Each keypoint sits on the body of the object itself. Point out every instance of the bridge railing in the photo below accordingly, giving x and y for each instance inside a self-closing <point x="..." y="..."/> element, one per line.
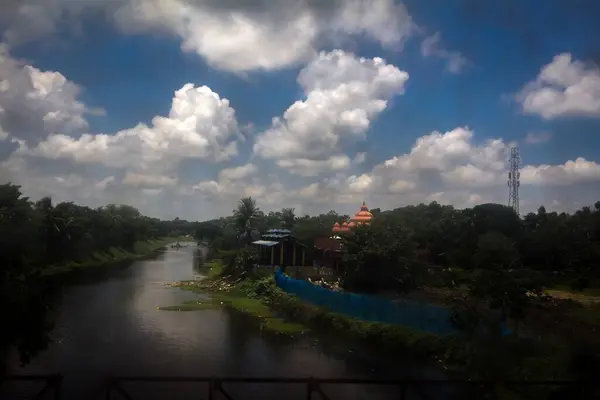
<point x="51" y="388"/>
<point x="480" y="389"/>
<point x="216" y="386"/>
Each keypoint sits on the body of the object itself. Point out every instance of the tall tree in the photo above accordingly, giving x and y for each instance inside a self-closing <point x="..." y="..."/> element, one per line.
<point x="245" y="219"/>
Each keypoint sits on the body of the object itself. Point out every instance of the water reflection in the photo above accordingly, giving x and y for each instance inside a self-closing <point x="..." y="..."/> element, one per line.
<point x="112" y="327"/>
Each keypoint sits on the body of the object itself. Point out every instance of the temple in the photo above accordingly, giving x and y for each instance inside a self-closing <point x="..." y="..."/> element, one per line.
<point x="329" y="250"/>
<point x="361" y="217"/>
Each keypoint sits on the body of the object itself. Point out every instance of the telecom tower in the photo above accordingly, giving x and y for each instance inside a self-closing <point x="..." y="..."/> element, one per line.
<point x="514" y="177"/>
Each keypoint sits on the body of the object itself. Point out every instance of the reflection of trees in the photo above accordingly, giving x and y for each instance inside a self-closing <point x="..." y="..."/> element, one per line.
<point x="198" y="259"/>
<point x="240" y="332"/>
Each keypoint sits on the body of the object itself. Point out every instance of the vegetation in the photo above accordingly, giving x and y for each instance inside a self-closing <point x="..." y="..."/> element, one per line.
<point x="534" y="275"/>
<point x="41" y="239"/>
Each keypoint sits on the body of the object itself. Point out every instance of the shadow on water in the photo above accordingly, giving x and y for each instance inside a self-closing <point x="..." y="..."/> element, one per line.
<point x="111" y="326"/>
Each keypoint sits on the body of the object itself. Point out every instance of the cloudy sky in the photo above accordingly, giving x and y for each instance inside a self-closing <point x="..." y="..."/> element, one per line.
<point x="180" y="107"/>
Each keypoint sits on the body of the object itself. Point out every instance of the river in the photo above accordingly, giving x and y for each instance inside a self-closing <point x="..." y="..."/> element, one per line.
<point x="111" y="326"/>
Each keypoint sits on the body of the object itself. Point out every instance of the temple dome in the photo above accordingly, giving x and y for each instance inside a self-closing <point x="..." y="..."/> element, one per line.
<point x="363" y="215"/>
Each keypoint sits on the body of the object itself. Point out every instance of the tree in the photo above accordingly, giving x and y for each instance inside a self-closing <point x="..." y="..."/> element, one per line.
<point x="245" y="218"/>
<point x="36" y="236"/>
<point x="288" y="218"/>
<point x="379" y="257"/>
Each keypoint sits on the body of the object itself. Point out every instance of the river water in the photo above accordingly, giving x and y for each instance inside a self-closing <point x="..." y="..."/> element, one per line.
<point x="111" y="326"/>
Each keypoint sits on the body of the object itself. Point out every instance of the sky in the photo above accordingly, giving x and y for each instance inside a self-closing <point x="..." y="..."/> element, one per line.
<point x="181" y="107"/>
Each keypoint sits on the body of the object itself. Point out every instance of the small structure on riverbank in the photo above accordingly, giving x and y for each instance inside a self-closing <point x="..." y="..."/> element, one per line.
<point x="278" y="247"/>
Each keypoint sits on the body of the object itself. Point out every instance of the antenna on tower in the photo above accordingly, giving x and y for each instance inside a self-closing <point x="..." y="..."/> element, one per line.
<point x="514" y="177"/>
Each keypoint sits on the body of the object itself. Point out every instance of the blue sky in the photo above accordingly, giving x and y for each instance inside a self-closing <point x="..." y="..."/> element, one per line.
<point x="463" y="80"/>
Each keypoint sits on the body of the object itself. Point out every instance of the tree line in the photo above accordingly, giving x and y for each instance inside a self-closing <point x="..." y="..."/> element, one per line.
<point x="35" y="236"/>
<point x="486" y="263"/>
<point x="482" y="237"/>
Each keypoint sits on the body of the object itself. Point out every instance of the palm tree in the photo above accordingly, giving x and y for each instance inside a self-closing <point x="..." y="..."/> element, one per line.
<point x="245" y="216"/>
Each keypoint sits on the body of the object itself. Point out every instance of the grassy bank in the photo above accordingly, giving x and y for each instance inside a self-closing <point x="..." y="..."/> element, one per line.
<point x="113" y="256"/>
<point x="459" y="355"/>
<point x="237" y="295"/>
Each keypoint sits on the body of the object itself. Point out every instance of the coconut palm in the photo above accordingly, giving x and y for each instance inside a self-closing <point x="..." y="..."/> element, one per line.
<point x="245" y="216"/>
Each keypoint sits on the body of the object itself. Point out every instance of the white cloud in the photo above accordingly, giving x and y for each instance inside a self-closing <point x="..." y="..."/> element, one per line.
<point x="200" y="125"/>
<point x="147" y="180"/>
<point x="35" y="103"/>
<point x="359" y="184"/>
<point x="537" y="137"/>
<point x="267" y="35"/>
<point x="344" y="94"/>
<point x="571" y="172"/>
<point x="431" y="47"/>
<point x="237" y="173"/>
<point x="447" y="167"/>
<point x="401" y="186"/>
<point x="308" y="167"/>
<point x="564" y="87"/>
<point x="231" y="35"/>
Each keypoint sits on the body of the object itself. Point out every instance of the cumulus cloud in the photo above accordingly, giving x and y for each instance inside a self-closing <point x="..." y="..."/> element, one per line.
<point x="344" y="93"/>
<point x="237" y="173"/>
<point x="317" y="139"/>
<point x="578" y="171"/>
<point x="563" y="88"/>
<point x="431" y="47"/>
<point x="200" y="125"/>
<point x="310" y="167"/>
<point x="147" y="180"/>
<point x="451" y="168"/>
<point x="537" y="137"/>
<point x="35" y="103"/>
<point x="25" y="20"/>
<point x="232" y="35"/>
<point x="259" y="34"/>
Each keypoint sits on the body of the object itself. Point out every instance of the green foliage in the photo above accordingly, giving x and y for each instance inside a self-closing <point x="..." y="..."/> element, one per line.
<point x="41" y="239"/>
<point x="245" y="220"/>
<point x="245" y="260"/>
<point x="380" y="257"/>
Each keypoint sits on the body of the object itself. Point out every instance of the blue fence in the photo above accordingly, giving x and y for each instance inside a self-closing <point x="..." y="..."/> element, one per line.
<point x="414" y="314"/>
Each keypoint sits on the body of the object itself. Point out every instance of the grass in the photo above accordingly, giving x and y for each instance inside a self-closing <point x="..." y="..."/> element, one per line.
<point x="192" y="305"/>
<point x="591" y="295"/>
<point x="533" y="358"/>
<point x="236" y="298"/>
<point x="216" y="269"/>
<point x="110" y="257"/>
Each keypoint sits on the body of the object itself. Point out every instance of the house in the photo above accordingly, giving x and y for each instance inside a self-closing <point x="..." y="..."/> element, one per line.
<point x="278" y="247"/>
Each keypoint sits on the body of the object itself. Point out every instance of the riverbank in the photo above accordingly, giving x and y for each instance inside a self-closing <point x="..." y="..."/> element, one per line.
<point x="114" y="256"/>
<point x="286" y="314"/>
<point x="458" y="355"/>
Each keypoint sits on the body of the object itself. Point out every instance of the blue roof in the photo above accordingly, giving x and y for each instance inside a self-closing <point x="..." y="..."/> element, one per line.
<point x="265" y="243"/>
<point x="275" y="235"/>
<point x="282" y="231"/>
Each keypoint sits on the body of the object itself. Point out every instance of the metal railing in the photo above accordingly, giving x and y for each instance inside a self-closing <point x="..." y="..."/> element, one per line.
<point x="313" y="385"/>
<point x="216" y="385"/>
<point x="52" y="386"/>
